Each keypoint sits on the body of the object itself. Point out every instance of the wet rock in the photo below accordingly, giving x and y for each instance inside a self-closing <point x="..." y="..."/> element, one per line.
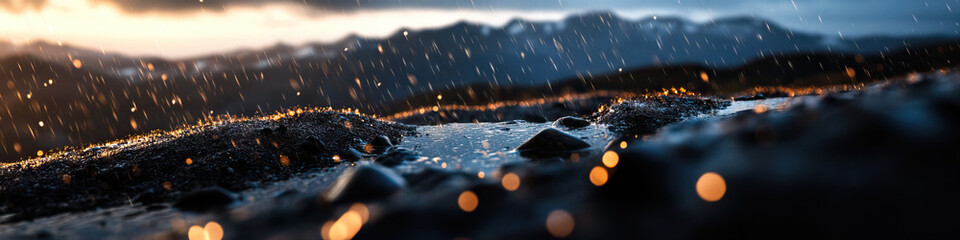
<point x="379" y="144"/>
<point x="266" y="132"/>
<point x="205" y="200"/>
<point x="350" y="155"/>
<point x="758" y="96"/>
<point x="365" y="182"/>
<point x="43" y="234"/>
<point x="287" y="193"/>
<point x="646" y="116"/>
<point x="550" y="160"/>
<point x="396" y="156"/>
<point x="571" y="122"/>
<point x="551" y="142"/>
<point x="312" y="146"/>
<point x="381" y="141"/>
<point x="435" y="178"/>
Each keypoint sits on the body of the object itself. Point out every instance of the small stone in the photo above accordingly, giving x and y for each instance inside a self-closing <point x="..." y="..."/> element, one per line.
<point x="571" y="122"/>
<point x="365" y="182"/>
<point x="286" y="193"/>
<point x="312" y="145"/>
<point x="551" y="142"/>
<point x="381" y="141"/>
<point x="379" y="144"/>
<point x="758" y="96"/>
<point x="205" y="200"/>
<point x="351" y="155"/>
<point x="266" y="132"/>
<point x="395" y="156"/>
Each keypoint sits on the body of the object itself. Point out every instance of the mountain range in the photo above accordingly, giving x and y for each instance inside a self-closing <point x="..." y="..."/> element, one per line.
<point x="83" y="95"/>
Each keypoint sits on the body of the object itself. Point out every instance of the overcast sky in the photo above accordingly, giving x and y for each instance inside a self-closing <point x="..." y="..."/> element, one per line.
<point x="176" y="28"/>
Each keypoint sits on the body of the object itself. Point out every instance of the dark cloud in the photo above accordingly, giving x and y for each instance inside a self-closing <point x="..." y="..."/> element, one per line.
<point x="847" y="16"/>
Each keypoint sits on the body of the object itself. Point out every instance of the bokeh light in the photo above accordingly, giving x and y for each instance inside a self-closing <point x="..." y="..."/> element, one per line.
<point x="610" y="159"/>
<point x="560" y="223"/>
<point x="598" y="176"/>
<point x="510" y="181"/>
<point x="468" y="201"/>
<point x="711" y="187"/>
<point x="211" y="231"/>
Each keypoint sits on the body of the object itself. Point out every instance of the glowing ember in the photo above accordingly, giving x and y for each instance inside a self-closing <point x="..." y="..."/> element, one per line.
<point x="77" y="63"/>
<point x="510" y="182"/>
<point x="610" y="159"/>
<point x="284" y="160"/>
<point x="17" y="147"/>
<point x="623" y="145"/>
<point x="40" y="123"/>
<point x="560" y="223"/>
<point x="189" y="161"/>
<point x="336" y="158"/>
<point x="704" y="76"/>
<point x="40" y="153"/>
<point x="598" y="176"/>
<point x="481" y="175"/>
<point x="468" y="201"/>
<point x="439" y="97"/>
<point x="711" y="187"/>
<point x="212" y="231"/>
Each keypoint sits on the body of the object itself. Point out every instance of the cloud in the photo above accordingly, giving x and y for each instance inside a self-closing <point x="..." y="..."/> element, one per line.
<point x="17" y="6"/>
<point x="334" y="5"/>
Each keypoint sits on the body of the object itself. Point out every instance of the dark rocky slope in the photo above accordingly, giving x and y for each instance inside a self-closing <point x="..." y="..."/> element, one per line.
<point x="235" y="154"/>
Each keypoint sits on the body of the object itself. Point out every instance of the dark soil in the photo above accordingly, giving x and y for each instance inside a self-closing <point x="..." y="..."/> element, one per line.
<point x="234" y="154"/>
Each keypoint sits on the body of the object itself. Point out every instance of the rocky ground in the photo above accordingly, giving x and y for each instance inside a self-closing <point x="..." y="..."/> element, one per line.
<point x="233" y="154"/>
<point x="874" y="163"/>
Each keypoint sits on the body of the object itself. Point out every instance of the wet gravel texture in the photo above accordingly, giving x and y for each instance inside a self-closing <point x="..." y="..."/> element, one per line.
<point x="232" y="154"/>
<point x="647" y="115"/>
<point x="872" y="164"/>
<point x="876" y="163"/>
